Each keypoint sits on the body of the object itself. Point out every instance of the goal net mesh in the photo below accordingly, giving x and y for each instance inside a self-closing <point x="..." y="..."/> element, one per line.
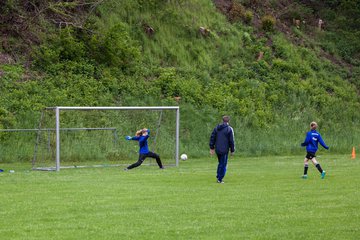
<point x="91" y="138"/>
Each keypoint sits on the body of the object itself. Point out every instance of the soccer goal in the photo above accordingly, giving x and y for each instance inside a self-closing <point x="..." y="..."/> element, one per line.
<point x="74" y="137"/>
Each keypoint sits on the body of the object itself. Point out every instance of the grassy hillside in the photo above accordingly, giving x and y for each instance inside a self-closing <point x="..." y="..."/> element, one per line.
<point x="249" y="61"/>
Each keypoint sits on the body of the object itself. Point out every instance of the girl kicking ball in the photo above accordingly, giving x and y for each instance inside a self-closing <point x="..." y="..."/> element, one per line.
<point x="311" y="142"/>
<point x="142" y="136"/>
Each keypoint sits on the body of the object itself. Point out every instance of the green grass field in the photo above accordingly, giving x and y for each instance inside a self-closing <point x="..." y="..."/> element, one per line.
<point x="262" y="198"/>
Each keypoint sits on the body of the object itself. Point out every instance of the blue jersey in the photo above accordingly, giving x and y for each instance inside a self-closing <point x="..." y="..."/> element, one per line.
<point x="143" y="144"/>
<point x="311" y="141"/>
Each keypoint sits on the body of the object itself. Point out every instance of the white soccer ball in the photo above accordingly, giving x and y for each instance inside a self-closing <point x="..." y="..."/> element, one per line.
<point x="183" y="157"/>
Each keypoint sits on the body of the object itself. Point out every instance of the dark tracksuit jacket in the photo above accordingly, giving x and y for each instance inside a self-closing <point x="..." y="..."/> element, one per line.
<point x="222" y="139"/>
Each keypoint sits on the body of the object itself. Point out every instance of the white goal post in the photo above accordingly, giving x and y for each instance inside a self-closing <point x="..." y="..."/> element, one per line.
<point x="62" y="108"/>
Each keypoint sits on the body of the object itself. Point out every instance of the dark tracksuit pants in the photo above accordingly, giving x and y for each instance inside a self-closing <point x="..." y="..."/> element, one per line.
<point x="221" y="170"/>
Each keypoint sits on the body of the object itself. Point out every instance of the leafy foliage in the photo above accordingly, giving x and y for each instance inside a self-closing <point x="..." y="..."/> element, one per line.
<point x="268" y="22"/>
<point x="257" y="75"/>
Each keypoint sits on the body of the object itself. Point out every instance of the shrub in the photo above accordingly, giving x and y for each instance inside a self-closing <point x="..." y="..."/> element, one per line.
<point x="45" y="56"/>
<point x="63" y="47"/>
<point x="248" y="16"/>
<point x="268" y="22"/>
<point x="236" y="12"/>
<point x="6" y="118"/>
<point x="117" y="49"/>
<point x="297" y="11"/>
<point x="171" y="85"/>
<point x="247" y="38"/>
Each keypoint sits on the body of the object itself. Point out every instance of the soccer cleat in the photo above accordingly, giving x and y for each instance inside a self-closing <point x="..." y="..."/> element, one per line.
<point x="126" y="169"/>
<point x="304" y="177"/>
<point x="323" y="174"/>
<point x="218" y="181"/>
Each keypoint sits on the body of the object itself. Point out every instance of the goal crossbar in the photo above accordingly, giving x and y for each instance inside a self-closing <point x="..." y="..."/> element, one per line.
<point x="60" y="108"/>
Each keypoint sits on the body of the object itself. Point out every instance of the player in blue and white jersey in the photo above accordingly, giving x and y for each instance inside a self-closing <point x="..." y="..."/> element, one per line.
<point x="311" y="142"/>
<point x="142" y="136"/>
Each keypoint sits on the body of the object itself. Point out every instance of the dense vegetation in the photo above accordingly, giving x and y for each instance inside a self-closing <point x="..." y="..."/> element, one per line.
<point x="265" y="63"/>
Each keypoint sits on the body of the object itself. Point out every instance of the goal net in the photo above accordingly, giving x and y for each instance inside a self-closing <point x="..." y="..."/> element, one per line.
<point x="74" y="137"/>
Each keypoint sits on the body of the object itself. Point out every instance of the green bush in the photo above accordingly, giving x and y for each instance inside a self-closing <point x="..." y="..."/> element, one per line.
<point x="7" y="119"/>
<point x="248" y="16"/>
<point x="116" y="48"/>
<point x="236" y="12"/>
<point x="64" y="46"/>
<point x="268" y="23"/>
<point x="297" y="11"/>
<point x="113" y="62"/>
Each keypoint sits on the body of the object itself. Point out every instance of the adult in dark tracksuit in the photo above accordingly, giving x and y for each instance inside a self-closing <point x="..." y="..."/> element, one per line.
<point x="142" y="137"/>
<point x="221" y="141"/>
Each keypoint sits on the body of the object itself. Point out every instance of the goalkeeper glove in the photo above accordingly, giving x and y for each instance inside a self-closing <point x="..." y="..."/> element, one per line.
<point x="128" y="138"/>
